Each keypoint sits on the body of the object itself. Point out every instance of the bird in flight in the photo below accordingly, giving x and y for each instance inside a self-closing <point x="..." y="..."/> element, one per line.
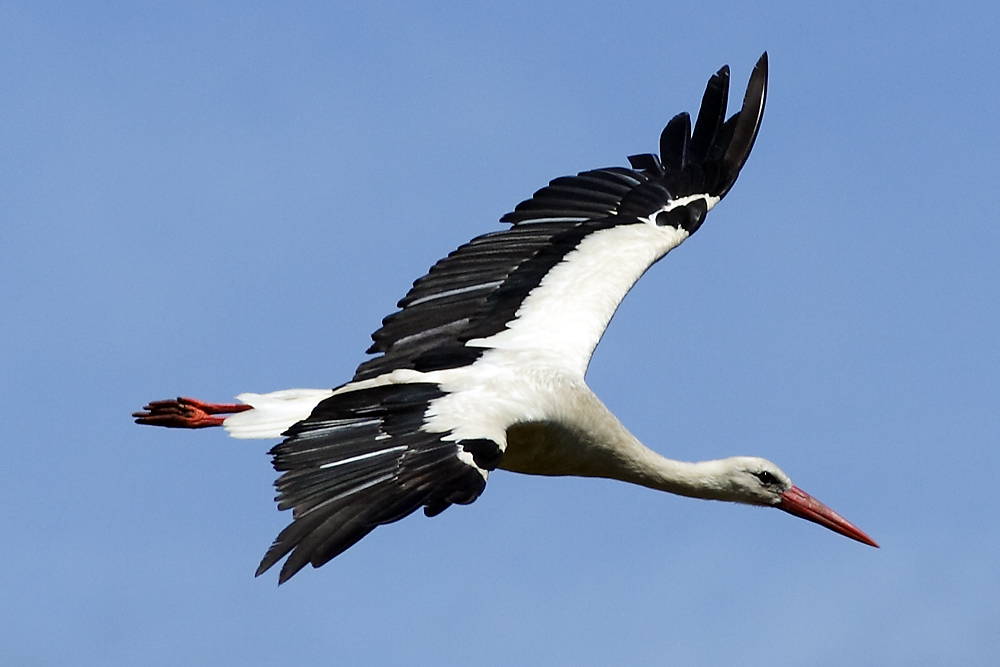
<point x="482" y="367"/>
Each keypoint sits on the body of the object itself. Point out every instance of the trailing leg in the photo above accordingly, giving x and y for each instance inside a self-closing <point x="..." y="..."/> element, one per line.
<point x="186" y="413"/>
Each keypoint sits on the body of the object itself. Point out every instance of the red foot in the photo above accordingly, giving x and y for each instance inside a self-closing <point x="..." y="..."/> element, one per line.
<point x="186" y="413"/>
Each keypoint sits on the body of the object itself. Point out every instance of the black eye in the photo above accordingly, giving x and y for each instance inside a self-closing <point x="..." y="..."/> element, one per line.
<point x="766" y="478"/>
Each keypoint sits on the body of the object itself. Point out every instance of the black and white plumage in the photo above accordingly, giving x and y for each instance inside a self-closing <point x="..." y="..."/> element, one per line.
<point x="483" y="365"/>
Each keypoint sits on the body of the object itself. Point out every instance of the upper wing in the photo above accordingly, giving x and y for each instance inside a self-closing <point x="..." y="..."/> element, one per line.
<point x="551" y="283"/>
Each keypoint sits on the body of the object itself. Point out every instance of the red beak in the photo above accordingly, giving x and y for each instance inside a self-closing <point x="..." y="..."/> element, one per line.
<point x="798" y="502"/>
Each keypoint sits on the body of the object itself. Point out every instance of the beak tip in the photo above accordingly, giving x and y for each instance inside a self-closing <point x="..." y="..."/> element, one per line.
<point x="798" y="502"/>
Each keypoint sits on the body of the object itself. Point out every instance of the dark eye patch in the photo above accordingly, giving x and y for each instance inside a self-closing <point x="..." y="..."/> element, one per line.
<point x="767" y="478"/>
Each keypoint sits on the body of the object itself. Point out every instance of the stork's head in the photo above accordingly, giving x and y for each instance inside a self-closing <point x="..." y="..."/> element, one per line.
<point x="757" y="481"/>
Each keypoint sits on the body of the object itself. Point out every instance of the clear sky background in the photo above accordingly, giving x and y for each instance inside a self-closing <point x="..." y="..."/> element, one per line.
<point x="208" y="198"/>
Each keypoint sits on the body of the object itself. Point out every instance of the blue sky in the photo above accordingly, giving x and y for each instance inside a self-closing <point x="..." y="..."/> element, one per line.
<point x="210" y="198"/>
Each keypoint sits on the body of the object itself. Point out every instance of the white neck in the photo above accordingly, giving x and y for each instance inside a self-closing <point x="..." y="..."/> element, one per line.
<point x="579" y="436"/>
<point x="702" y="479"/>
<point x="598" y="445"/>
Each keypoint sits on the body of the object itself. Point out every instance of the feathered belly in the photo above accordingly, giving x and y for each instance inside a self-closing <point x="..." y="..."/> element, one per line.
<point x="552" y="448"/>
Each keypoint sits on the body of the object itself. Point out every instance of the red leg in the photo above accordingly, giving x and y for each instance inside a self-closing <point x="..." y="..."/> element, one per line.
<point x="186" y="413"/>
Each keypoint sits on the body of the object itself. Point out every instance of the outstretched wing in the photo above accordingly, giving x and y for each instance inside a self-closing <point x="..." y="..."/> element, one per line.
<point x="551" y="283"/>
<point x="362" y="459"/>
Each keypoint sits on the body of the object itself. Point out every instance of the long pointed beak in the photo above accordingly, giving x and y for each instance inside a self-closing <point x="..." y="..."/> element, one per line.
<point x="798" y="502"/>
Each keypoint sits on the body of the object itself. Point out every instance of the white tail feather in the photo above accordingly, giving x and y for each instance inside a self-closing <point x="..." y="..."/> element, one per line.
<point x="273" y="413"/>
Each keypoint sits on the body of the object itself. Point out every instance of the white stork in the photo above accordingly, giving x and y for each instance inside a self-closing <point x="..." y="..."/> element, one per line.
<point x="483" y="365"/>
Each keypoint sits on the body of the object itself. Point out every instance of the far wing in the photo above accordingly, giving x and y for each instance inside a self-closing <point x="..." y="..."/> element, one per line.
<point x="550" y="284"/>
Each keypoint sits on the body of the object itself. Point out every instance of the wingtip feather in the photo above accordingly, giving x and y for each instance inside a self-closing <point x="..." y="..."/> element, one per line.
<point x="708" y="160"/>
<point x="748" y="121"/>
<point x="674" y="142"/>
<point x="711" y="115"/>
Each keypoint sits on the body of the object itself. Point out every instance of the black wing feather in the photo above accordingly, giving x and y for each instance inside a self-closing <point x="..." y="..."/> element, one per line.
<point x="747" y="125"/>
<point x="674" y="143"/>
<point x="711" y="116"/>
